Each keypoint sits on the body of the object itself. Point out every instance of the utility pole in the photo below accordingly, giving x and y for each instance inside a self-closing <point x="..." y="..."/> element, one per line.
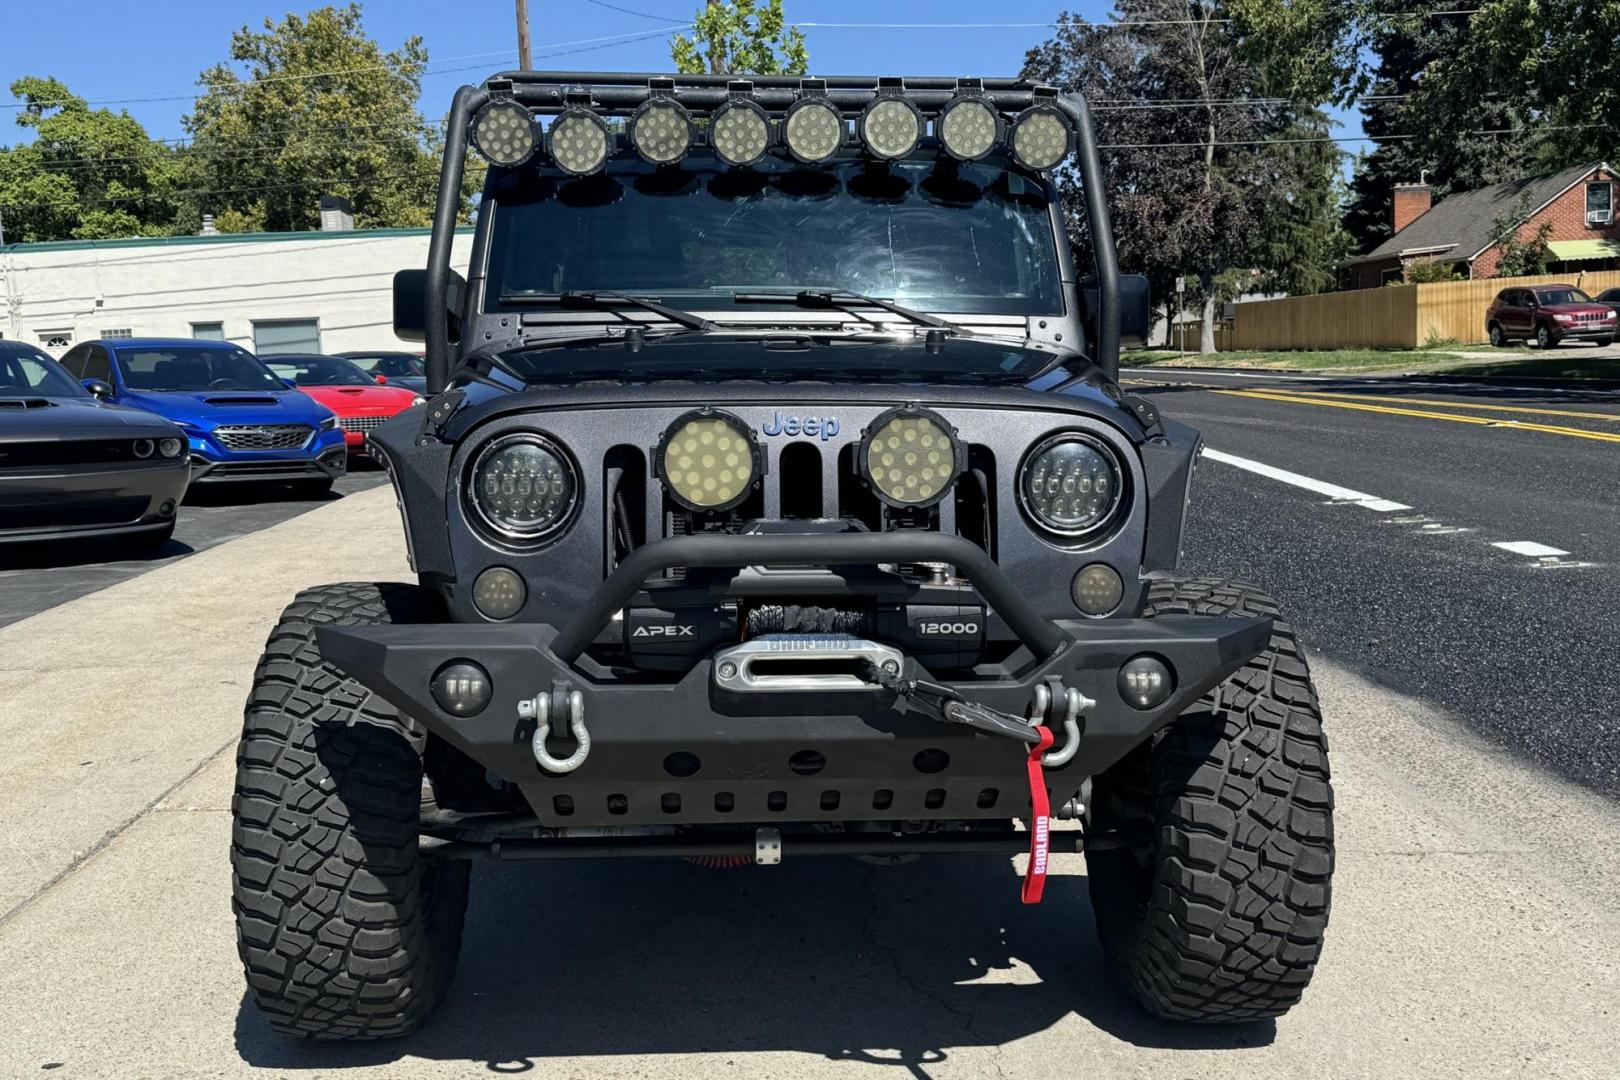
<point x="524" y="60"/>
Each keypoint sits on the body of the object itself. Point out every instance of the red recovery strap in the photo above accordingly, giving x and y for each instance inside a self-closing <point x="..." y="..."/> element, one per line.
<point x="1040" y="823"/>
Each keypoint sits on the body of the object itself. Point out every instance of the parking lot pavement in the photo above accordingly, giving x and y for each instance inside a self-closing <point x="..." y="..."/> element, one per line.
<point x="35" y="577"/>
<point x="1474" y="928"/>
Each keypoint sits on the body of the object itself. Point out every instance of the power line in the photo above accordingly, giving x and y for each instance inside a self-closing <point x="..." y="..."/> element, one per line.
<point x="638" y="14"/>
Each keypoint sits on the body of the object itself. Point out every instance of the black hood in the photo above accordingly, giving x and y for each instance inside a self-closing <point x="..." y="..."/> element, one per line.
<point x="32" y="419"/>
<point x="918" y="360"/>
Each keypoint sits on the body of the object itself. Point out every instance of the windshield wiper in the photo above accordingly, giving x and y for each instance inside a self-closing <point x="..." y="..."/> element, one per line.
<point x="609" y="300"/>
<point x="844" y="300"/>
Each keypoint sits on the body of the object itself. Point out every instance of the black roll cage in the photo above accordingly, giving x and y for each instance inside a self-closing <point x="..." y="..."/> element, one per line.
<point x="622" y="93"/>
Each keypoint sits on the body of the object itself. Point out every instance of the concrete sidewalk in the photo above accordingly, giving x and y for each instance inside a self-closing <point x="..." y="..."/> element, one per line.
<point x="1474" y="930"/>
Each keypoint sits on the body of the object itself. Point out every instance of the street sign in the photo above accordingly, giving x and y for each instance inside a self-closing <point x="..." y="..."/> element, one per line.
<point x="1181" y="284"/>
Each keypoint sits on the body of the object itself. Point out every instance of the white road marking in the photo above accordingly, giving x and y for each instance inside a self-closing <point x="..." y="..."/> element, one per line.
<point x="1530" y="548"/>
<point x="1320" y="487"/>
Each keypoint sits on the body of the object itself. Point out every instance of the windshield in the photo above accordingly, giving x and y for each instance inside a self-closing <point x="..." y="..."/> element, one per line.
<point x="390" y="364"/>
<point x="195" y="367"/>
<point x="319" y="371"/>
<point x="36" y="375"/>
<point x="937" y="236"/>
<point x="685" y="354"/>
<point x="1562" y="296"/>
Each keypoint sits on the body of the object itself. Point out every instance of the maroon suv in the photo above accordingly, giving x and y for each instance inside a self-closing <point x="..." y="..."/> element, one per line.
<point x="1549" y="314"/>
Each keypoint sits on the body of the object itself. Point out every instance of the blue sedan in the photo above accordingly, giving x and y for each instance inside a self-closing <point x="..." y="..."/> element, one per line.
<point x="242" y="422"/>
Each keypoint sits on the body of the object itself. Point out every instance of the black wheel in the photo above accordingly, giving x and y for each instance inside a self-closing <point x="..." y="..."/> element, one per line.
<point x="1498" y="339"/>
<point x="314" y="489"/>
<point x="1214" y="909"/>
<point x="1544" y="337"/>
<point x="344" y="930"/>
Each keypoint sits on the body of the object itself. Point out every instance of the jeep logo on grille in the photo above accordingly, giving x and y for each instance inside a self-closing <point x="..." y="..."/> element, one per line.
<point x="824" y="426"/>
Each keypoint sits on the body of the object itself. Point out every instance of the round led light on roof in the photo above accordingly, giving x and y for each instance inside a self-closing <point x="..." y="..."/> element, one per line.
<point x="910" y="457"/>
<point x="708" y="461"/>
<point x="740" y="133"/>
<point x="891" y="127"/>
<point x="1070" y="484"/>
<point x="523" y="487"/>
<point x="504" y="133"/>
<point x="578" y="142"/>
<point x="814" y="130"/>
<point x="1040" y="138"/>
<point x="661" y="131"/>
<point x="969" y="128"/>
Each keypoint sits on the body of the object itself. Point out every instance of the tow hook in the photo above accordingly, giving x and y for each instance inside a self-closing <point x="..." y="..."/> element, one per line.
<point x="567" y="707"/>
<point x="1056" y="705"/>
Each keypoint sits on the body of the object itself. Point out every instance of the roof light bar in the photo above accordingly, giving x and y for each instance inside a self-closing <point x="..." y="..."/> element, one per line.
<point x="504" y="132"/>
<point x="891" y="126"/>
<point x="969" y="127"/>
<point x="578" y="141"/>
<point x="814" y="129"/>
<point x="660" y="129"/>
<point x="739" y="130"/>
<point x="1042" y="135"/>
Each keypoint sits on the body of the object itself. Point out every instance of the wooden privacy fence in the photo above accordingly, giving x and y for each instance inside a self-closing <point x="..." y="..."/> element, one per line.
<point x="1394" y="317"/>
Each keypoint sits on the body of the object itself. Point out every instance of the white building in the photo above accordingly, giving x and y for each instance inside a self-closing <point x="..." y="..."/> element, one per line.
<point x="327" y="291"/>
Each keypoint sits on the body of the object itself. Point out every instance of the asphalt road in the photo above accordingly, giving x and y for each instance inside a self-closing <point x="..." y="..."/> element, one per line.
<point x="36" y="577"/>
<point x="1521" y="644"/>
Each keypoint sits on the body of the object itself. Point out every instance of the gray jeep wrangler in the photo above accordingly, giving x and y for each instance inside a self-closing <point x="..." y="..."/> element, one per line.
<point x="775" y="499"/>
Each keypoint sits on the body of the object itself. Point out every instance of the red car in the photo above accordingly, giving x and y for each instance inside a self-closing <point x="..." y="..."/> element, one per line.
<point x="339" y="384"/>
<point x="1548" y="314"/>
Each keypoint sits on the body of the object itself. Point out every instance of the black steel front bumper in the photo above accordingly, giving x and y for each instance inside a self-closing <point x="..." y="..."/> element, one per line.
<point x="688" y="751"/>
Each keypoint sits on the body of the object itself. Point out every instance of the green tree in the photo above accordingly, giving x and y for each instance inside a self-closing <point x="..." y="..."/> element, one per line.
<point x="319" y="108"/>
<point x="1522" y="255"/>
<point x="87" y="174"/>
<point x="741" y="37"/>
<point x="1429" y="271"/>
<point x="1199" y="187"/>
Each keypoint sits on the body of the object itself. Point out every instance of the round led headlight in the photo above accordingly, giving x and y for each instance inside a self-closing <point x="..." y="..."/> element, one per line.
<point x="708" y="461"/>
<point x="891" y="127"/>
<point x="1070" y="484"/>
<point x="910" y="457"/>
<point x="523" y="487"/>
<point x="578" y="142"/>
<point x="1041" y="137"/>
<point x="813" y="130"/>
<point x="661" y="131"/>
<point x="503" y="131"/>
<point x="969" y="128"/>
<point x="740" y="133"/>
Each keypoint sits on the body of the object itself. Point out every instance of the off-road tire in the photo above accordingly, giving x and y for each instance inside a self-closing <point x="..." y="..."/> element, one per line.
<point x="1497" y="336"/>
<point x="1217" y="912"/>
<point x="344" y="930"/>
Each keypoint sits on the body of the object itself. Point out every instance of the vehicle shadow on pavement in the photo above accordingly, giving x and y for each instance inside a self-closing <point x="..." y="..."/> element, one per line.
<point x="895" y="965"/>
<point x="56" y="554"/>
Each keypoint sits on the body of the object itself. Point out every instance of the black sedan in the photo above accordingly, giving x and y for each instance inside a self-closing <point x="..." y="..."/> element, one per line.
<point x="1610" y="297"/>
<point x="400" y="369"/>
<point x="73" y="466"/>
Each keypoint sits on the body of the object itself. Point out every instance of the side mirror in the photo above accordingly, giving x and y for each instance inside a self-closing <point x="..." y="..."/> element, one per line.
<point x="99" y="388"/>
<point x="410" y="304"/>
<point x="382" y="380"/>
<point x="1135" y="310"/>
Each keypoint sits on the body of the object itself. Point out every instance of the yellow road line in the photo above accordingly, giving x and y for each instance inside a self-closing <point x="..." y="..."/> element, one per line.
<point x="1613" y="418"/>
<point x="1290" y="398"/>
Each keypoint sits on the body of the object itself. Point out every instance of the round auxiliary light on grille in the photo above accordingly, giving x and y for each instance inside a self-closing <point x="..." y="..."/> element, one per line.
<point x="1041" y="137"/>
<point x="1070" y="484"/>
<point x="969" y="128"/>
<point x="578" y="142"/>
<point x="523" y="487"/>
<point x="891" y="127"/>
<point x="661" y="131"/>
<point x="708" y="460"/>
<point x="813" y="130"/>
<point x="503" y="131"/>
<point x="910" y="457"/>
<point x="740" y="133"/>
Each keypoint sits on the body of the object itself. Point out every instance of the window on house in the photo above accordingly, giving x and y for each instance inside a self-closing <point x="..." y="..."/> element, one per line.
<point x="208" y="331"/>
<point x="1391" y="274"/>
<point x="117" y="335"/>
<point x="286" y="336"/>
<point x="56" y="340"/>
<point x="1600" y="203"/>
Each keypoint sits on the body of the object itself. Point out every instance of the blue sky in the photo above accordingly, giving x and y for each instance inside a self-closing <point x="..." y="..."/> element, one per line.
<point x="113" y="49"/>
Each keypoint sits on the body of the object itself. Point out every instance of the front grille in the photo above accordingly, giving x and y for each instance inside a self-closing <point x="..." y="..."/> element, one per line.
<point x="70" y="452"/>
<point x="71" y="513"/>
<point x="363" y="423"/>
<point x="263" y="436"/>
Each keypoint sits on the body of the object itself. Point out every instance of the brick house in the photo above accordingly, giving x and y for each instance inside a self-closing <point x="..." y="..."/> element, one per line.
<point x="1582" y="204"/>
